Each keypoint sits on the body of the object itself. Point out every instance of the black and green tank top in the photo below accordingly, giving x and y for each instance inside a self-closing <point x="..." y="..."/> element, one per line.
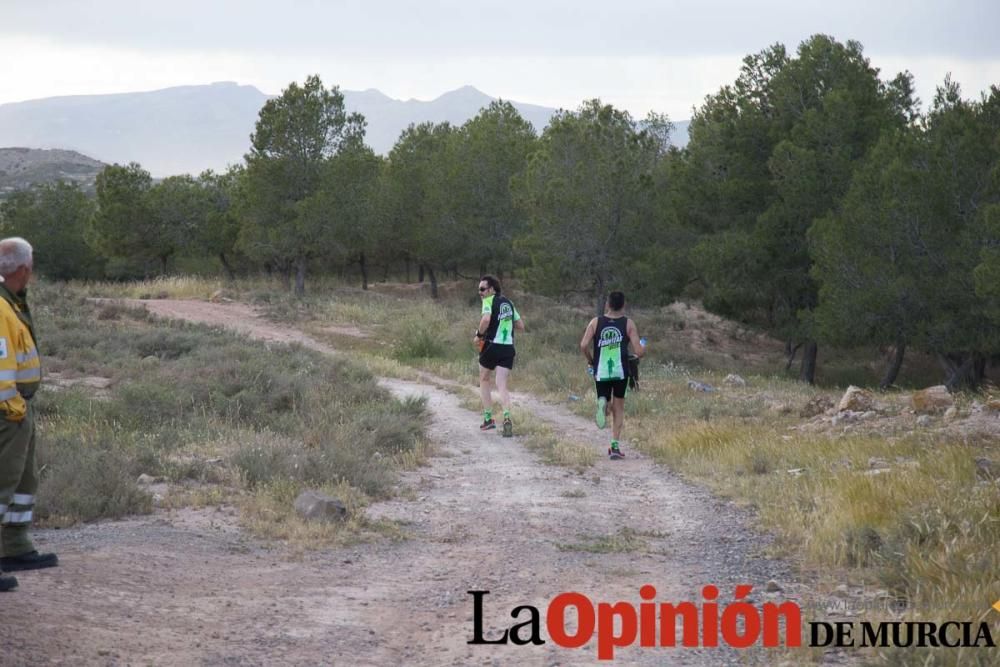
<point x="611" y="349"/>
<point x="502" y="314"/>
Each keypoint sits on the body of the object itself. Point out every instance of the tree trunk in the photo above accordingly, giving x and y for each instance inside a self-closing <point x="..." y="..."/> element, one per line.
<point x="892" y="371"/>
<point x="364" y="271"/>
<point x="385" y="273"/>
<point x="433" y="279"/>
<point x="599" y="298"/>
<point x="420" y="273"/>
<point x="807" y="371"/>
<point x="286" y="277"/>
<point x="225" y="265"/>
<point x="163" y="264"/>
<point x="962" y="372"/>
<point x="407" y="261"/>
<point x="300" y="276"/>
<point x="790" y="352"/>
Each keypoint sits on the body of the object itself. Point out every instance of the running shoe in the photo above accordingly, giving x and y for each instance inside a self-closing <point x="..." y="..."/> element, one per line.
<point x="487" y="425"/>
<point x="601" y="417"/>
<point x="508" y="427"/>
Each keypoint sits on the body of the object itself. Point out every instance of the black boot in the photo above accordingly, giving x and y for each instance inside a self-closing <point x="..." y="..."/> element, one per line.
<point x="29" y="561"/>
<point x="7" y="583"/>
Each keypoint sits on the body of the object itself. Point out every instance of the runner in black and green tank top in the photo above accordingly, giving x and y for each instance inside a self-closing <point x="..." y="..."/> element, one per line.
<point x="605" y="344"/>
<point x="495" y="339"/>
<point x="611" y="349"/>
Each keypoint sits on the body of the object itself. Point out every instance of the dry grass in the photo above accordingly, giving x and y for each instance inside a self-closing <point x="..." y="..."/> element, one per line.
<point x="926" y="529"/>
<point x="217" y="417"/>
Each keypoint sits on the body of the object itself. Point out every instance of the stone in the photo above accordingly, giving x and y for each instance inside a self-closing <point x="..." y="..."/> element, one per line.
<point x="856" y="399"/>
<point x="146" y="479"/>
<point x="987" y="469"/>
<point x="924" y="421"/>
<point x="817" y="405"/>
<point x="992" y="406"/>
<point x="700" y="386"/>
<point x="735" y="380"/>
<point x="932" y="400"/>
<point x="950" y="414"/>
<point x="150" y="360"/>
<point x="772" y="586"/>
<point x="314" y="505"/>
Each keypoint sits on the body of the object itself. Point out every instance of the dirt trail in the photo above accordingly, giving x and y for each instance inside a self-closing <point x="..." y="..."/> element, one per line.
<point x="187" y="588"/>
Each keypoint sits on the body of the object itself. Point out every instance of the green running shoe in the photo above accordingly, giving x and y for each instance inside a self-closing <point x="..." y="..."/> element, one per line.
<point x="601" y="417"/>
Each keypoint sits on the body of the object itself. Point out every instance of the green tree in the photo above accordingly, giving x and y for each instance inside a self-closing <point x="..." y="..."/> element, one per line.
<point x="346" y="205"/>
<point x="120" y="227"/>
<point x="897" y="262"/>
<point x="54" y="218"/>
<point x="587" y="189"/>
<point x="810" y="120"/>
<point x="296" y="134"/>
<point x="417" y="209"/>
<point x="489" y="151"/>
<point x="178" y="207"/>
<point x="219" y="225"/>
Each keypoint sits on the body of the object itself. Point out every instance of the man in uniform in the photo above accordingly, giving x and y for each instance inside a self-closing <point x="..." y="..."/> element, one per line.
<point x="20" y="375"/>
<point x="495" y="340"/>
<point x="605" y="345"/>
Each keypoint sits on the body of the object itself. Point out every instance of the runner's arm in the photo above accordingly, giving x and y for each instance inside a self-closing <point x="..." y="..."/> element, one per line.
<point x="586" y="343"/>
<point x="518" y="322"/>
<point x="484" y="324"/>
<point x="633" y="335"/>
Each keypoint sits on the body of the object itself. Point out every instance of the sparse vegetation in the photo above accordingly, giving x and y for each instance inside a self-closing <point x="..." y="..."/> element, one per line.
<point x="193" y="406"/>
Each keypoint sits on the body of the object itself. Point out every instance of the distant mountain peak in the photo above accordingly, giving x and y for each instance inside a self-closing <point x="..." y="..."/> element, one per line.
<point x="465" y="92"/>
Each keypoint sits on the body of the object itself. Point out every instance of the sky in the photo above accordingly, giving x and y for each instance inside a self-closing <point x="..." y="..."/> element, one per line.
<point x="639" y="55"/>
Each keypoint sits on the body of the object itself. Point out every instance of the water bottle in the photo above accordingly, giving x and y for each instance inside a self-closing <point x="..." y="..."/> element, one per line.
<point x="642" y="341"/>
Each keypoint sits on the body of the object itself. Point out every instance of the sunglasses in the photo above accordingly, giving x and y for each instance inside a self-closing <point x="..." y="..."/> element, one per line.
<point x="483" y="289"/>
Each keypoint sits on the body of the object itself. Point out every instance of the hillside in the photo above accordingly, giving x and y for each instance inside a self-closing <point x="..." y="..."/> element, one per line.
<point x="21" y="168"/>
<point x="188" y="129"/>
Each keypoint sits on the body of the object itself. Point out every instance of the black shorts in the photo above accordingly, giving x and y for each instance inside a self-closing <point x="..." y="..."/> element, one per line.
<point x="494" y="355"/>
<point x="607" y="388"/>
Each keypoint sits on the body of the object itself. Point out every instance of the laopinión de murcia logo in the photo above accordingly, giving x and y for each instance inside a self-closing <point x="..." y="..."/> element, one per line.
<point x="572" y="620"/>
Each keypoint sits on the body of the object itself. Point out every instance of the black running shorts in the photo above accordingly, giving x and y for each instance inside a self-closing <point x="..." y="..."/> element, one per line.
<point x="494" y="355"/>
<point x="607" y="388"/>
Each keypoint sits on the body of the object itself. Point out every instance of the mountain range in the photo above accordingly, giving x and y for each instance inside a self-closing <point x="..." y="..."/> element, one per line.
<point x="188" y="129"/>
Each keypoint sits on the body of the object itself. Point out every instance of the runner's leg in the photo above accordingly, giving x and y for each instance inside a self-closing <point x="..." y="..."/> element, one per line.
<point x="485" y="389"/>
<point x="502" y="375"/>
<point x="617" y="417"/>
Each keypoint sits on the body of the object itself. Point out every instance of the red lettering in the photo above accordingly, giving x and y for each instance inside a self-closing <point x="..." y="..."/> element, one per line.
<point x="555" y="620"/>
<point x="607" y="640"/>
<point x="772" y="627"/>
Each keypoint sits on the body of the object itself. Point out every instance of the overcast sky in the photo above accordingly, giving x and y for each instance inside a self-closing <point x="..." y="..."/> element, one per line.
<point x="641" y="55"/>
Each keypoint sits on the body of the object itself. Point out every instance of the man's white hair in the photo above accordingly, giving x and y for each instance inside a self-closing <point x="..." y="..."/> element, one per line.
<point x="15" y="252"/>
